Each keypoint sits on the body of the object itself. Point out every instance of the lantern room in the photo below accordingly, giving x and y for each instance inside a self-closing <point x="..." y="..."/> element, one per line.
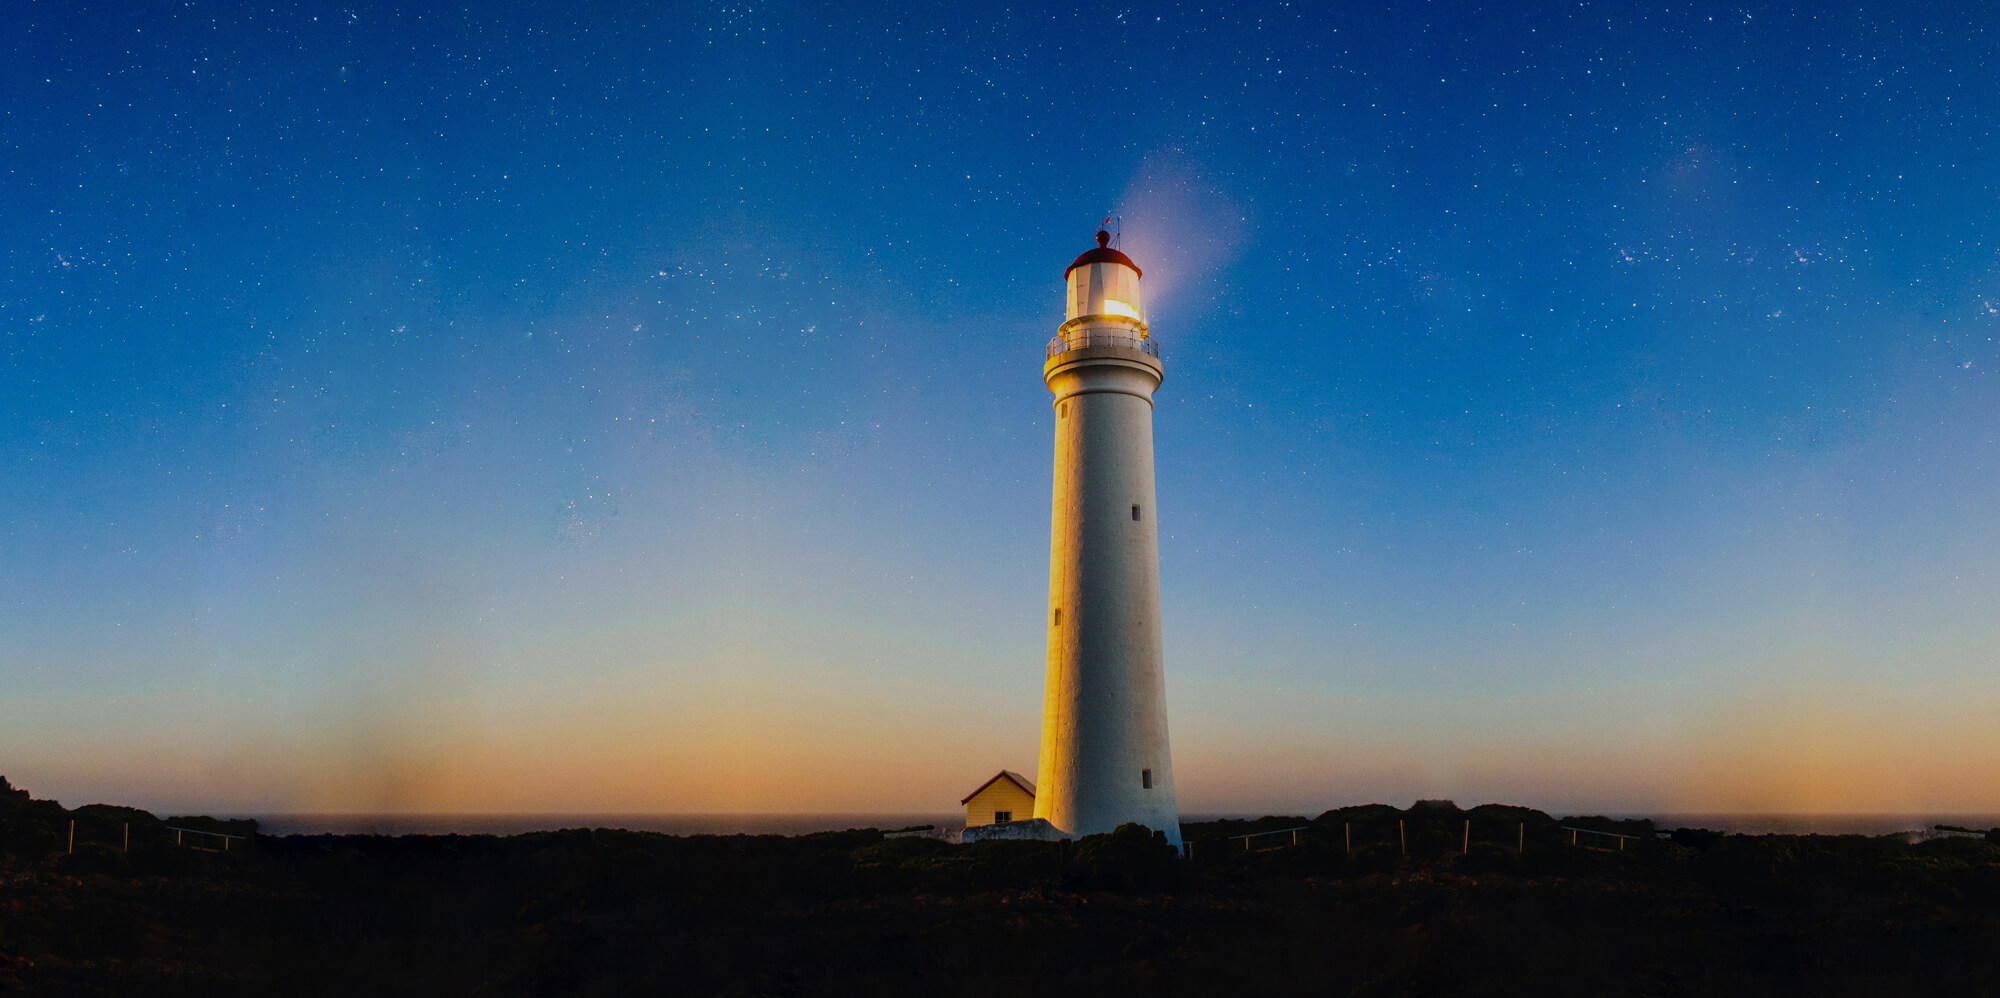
<point x="1104" y="284"/>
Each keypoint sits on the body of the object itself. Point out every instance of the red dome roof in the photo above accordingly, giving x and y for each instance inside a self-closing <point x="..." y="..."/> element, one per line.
<point x="1103" y="254"/>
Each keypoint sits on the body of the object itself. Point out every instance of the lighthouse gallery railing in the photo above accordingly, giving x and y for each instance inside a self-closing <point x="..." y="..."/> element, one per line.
<point x="1077" y="341"/>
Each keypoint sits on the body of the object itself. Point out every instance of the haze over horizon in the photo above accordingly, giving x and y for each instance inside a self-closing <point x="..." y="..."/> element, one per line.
<point x="595" y="408"/>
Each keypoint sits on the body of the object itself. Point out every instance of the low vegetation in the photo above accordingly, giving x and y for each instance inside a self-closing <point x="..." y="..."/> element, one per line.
<point x="1370" y="900"/>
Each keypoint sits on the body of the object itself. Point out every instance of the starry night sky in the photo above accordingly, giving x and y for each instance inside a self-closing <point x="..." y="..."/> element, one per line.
<point x="626" y="408"/>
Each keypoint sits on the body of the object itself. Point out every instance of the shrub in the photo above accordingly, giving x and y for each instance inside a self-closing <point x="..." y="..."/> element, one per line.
<point x="1130" y="857"/>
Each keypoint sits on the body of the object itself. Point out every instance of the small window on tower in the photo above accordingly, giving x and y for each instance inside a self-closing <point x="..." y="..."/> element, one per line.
<point x="1064" y="411"/>
<point x="1146" y="778"/>
<point x="1057" y="620"/>
<point x="1135" y="512"/>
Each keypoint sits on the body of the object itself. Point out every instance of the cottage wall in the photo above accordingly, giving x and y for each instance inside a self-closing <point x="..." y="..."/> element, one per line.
<point x="1002" y="795"/>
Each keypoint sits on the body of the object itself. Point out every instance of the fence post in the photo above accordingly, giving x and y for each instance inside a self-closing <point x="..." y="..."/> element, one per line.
<point x="1466" y="849"/>
<point x="1349" y="826"/>
<point x="1402" y="838"/>
<point x="1522" y="846"/>
<point x="128" y="837"/>
<point x="72" y="836"/>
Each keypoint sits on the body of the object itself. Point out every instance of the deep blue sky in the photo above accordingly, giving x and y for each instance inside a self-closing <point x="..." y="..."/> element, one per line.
<point x="587" y="406"/>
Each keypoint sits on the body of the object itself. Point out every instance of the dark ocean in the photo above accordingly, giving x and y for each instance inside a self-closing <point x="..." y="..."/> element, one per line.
<point x="801" y="824"/>
<point x="1823" y="824"/>
<point x="515" y="824"/>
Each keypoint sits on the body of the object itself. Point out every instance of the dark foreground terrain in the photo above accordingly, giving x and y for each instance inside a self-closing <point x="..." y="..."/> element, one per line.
<point x="1433" y="900"/>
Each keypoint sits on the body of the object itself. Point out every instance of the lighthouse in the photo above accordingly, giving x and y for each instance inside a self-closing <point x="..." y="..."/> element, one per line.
<point x="1104" y="757"/>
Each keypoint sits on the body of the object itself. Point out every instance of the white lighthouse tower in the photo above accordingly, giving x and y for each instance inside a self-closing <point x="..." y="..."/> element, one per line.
<point x="1104" y="755"/>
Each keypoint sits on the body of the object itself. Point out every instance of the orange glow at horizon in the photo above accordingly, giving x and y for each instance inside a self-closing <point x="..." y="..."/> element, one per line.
<point x="761" y="748"/>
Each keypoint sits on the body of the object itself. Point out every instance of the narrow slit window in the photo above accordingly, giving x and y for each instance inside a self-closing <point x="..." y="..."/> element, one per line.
<point x="1146" y="779"/>
<point x="1064" y="411"/>
<point x="1057" y="619"/>
<point x="1135" y="512"/>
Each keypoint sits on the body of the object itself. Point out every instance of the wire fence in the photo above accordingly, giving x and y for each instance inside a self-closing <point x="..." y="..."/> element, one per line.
<point x="195" y="838"/>
<point x="1421" y="837"/>
<point x="85" y="833"/>
<point x="1596" y="840"/>
<point x="1275" y="839"/>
